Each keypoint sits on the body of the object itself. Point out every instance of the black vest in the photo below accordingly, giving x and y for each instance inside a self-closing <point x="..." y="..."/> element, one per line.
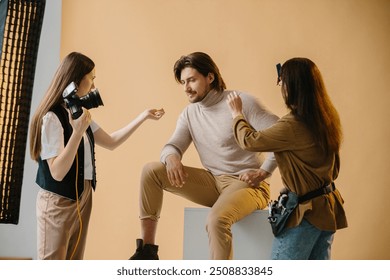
<point x="67" y="187"/>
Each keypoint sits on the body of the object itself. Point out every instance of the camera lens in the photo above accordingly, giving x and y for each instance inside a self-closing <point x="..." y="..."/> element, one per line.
<point x="91" y="100"/>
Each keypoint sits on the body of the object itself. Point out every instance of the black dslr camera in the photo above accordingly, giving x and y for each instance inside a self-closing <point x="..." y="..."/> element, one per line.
<point x="74" y="103"/>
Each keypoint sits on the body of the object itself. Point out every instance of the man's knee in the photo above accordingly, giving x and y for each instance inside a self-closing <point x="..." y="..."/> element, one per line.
<point x="218" y="221"/>
<point x="152" y="168"/>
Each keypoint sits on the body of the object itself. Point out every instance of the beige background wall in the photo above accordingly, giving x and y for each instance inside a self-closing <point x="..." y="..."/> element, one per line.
<point x="135" y="43"/>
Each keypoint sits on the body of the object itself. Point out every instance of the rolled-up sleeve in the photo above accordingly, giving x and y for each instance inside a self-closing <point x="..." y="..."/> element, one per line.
<point x="273" y="139"/>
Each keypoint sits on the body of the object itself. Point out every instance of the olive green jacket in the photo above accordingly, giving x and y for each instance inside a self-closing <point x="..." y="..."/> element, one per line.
<point x="303" y="166"/>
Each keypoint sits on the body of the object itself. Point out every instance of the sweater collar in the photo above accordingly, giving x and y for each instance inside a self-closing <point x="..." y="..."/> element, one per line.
<point x="212" y="98"/>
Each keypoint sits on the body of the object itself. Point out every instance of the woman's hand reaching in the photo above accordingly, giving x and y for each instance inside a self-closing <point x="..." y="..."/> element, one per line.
<point x="153" y="114"/>
<point x="235" y="104"/>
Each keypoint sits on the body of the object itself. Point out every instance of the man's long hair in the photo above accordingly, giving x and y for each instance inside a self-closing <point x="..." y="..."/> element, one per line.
<point x="305" y="95"/>
<point x="72" y="69"/>
<point x="203" y="63"/>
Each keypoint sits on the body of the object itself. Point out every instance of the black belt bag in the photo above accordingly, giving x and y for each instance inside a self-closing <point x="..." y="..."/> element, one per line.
<point x="280" y="209"/>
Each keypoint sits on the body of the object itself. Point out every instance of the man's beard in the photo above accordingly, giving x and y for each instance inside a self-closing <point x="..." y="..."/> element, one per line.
<point x="198" y="98"/>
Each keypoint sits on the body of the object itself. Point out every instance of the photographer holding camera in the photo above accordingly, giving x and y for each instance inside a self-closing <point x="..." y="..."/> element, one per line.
<point x="62" y="140"/>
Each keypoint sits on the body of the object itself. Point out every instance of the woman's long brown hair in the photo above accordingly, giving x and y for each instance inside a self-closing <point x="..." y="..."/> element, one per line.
<point x="305" y="95"/>
<point x="72" y="69"/>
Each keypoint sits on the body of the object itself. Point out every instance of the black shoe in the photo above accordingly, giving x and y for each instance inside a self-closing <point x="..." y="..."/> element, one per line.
<point x="145" y="252"/>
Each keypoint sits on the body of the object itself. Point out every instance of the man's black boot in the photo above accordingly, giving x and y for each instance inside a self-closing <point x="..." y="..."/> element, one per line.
<point x="145" y="252"/>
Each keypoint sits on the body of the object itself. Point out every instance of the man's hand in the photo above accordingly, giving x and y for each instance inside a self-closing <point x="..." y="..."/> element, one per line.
<point x="253" y="178"/>
<point x="175" y="171"/>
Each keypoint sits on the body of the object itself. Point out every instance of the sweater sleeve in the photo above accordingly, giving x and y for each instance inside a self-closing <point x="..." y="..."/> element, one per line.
<point x="180" y="139"/>
<point x="259" y="118"/>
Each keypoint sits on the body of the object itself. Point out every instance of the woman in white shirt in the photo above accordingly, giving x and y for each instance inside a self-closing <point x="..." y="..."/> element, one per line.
<point x="63" y="145"/>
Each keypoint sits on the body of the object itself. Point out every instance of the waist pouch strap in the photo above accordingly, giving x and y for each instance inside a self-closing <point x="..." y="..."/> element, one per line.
<point x="324" y="190"/>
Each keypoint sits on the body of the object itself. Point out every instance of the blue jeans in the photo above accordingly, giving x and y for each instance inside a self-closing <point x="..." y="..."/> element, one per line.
<point x="304" y="242"/>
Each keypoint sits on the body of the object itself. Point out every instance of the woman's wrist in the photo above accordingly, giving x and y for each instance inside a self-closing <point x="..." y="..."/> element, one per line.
<point x="236" y="114"/>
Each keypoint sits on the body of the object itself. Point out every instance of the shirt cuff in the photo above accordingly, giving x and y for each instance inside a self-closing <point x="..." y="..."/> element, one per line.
<point x="270" y="163"/>
<point x="168" y="150"/>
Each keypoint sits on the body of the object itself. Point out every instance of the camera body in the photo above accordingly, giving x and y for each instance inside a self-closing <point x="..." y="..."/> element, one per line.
<point x="75" y="103"/>
<point x="279" y="72"/>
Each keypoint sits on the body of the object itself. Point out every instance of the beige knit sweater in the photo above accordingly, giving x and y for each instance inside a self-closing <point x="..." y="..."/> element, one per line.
<point x="207" y="124"/>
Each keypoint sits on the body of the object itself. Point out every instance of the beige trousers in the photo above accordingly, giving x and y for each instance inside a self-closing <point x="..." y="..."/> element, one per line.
<point x="58" y="225"/>
<point x="229" y="198"/>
